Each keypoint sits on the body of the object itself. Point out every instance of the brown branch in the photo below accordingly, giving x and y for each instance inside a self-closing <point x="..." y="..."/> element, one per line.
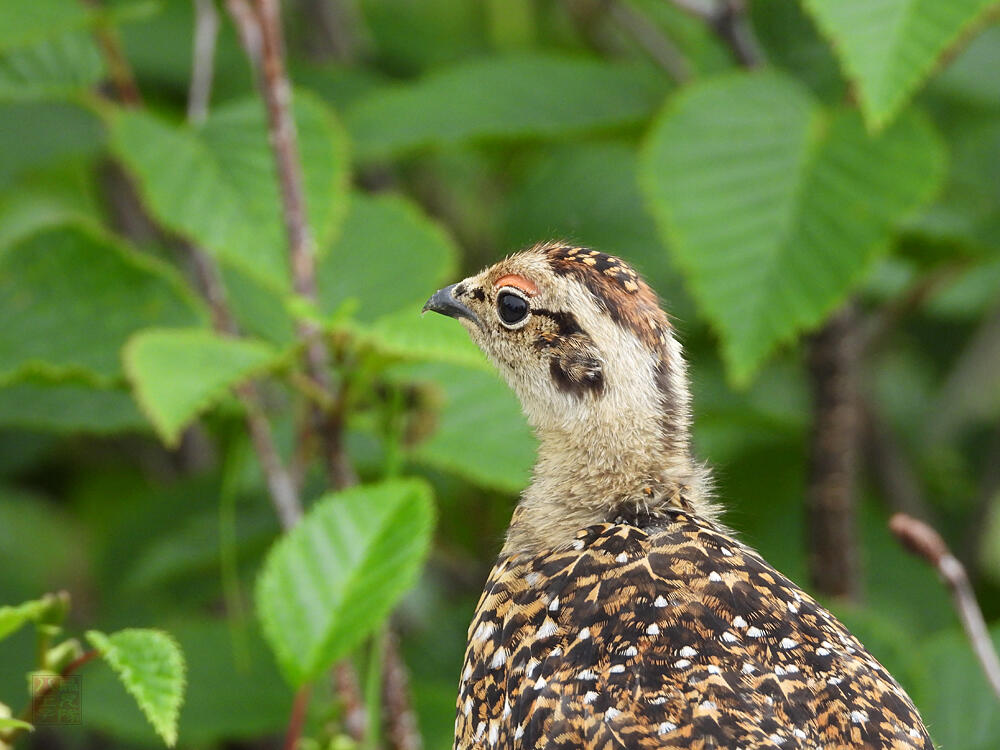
<point x="42" y="695"/>
<point x="657" y="45"/>
<point x="404" y="733"/>
<point x="121" y="72"/>
<point x="345" y="684"/>
<point x="206" y="31"/>
<point x="923" y="541"/>
<point x="297" y="719"/>
<point x="276" y="91"/>
<point x="122" y="77"/>
<point x="832" y="355"/>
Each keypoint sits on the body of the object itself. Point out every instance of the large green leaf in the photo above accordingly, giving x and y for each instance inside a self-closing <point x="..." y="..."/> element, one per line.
<point x="889" y="47"/>
<point x="504" y="98"/>
<point x="177" y="374"/>
<point x="27" y="23"/>
<point x="151" y="666"/>
<point x="389" y="257"/>
<point x="40" y="134"/>
<point x="70" y="297"/>
<point x="333" y="578"/>
<point x="481" y="434"/>
<point x="39" y="404"/>
<point x="216" y="185"/>
<point x="959" y="707"/>
<point x="53" y="67"/>
<point x="774" y="209"/>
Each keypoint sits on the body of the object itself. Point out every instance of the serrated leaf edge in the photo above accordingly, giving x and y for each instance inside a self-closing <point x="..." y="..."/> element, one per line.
<point x="170" y="436"/>
<point x="103" y="643"/>
<point x="291" y="666"/>
<point x="877" y="119"/>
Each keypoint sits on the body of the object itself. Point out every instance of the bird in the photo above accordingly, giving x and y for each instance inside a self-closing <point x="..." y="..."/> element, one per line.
<point x="621" y="611"/>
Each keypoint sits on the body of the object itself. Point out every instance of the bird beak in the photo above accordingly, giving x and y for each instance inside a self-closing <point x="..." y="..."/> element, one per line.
<point x="443" y="301"/>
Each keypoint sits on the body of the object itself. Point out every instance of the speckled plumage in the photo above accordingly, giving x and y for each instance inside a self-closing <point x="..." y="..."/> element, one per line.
<point x="671" y="635"/>
<point x="621" y="613"/>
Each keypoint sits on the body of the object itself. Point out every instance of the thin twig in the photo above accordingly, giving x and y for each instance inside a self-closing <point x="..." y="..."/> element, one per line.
<point x="880" y="325"/>
<point x="206" y="31"/>
<point x="331" y="31"/>
<point x="282" y="488"/>
<point x="248" y="30"/>
<point x="297" y="719"/>
<point x="276" y="91"/>
<point x="658" y="45"/>
<point x="729" y="21"/>
<point x="892" y="469"/>
<point x="42" y="695"/>
<point x="121" y="72"/>
<point x="122" y="77"/>
<point x="262" y="38"/>
<point x="404" y="733"/>
<point x="346" y="685"/>
<point x="923" y="541"/>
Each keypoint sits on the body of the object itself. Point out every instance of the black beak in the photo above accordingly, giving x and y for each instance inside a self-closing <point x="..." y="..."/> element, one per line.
<point x="443" y="301"/>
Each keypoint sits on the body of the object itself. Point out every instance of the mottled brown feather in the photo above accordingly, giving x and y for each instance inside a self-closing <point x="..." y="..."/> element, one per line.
<point x="670" y="636"/>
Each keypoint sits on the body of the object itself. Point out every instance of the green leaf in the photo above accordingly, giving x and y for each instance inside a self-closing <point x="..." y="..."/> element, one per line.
<point x="792" y="42"/>
<point x="41" y="545"/>
<point x="216" y="185"/>
<point x="958" y="706"/>
<point x="889" y="48"/>
<point x="151" y="666"/>
<point x="227" y="698"/>
<point x="27" y="23"/>
<point x="411" y="336"/>
<point x="62" y="194"/>
<point x="110" y="292"/>
<point x="332" y="579"/>
<point x="38" y="404"/>
<point x="177" y="374"/>
<point x="589" y="194"/>
<point x="38" y="134"/>
<point x="8" y="723"/>
<point x="477" y="404"/>
<point x="389" y="257"/>
<point x="54" y="67"/>
<point x="776" y="210"/>
<point x="532" y="96"/>
<point x="12" y="618"/>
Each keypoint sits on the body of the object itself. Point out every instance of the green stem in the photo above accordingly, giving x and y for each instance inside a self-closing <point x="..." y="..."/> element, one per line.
<point x="373" y="691"/>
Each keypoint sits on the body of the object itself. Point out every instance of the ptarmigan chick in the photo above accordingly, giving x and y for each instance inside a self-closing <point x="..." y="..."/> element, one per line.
<point x="621" y="613"/>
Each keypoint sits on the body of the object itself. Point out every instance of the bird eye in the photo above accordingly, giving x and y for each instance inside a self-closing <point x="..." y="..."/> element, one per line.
<point x="512" y="308"/>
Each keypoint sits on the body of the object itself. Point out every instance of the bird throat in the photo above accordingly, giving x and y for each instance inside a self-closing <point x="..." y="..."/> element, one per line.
<point x="607" y="473"/>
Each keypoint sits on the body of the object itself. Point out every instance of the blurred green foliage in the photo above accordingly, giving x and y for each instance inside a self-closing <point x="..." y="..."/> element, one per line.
<point x="861" y="162"/>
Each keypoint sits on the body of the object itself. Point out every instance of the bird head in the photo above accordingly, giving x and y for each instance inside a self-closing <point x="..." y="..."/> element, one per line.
<point x="580" y="338"/>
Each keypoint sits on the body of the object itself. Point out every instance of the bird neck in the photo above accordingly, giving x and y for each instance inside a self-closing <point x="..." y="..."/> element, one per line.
<point x="596" y="470"/>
